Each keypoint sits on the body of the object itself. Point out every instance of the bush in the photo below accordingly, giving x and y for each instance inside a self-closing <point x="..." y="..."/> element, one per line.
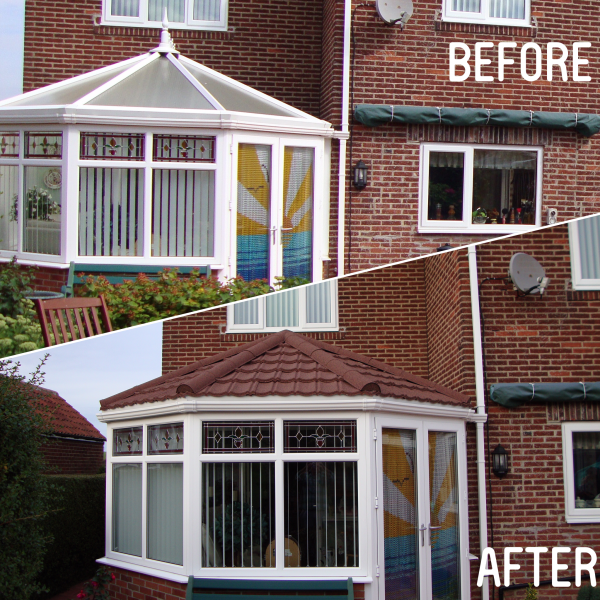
<point x="14" y="284"/>
<point x="77" y="527"/>
<point x="21" y="333"/>
<point x="589" y="593"/>
<point x="143" y="300"/>
<point x="532" y="593"/>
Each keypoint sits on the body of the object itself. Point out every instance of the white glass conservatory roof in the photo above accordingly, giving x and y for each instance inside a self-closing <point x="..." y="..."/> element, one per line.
<point x="160" y="87"/>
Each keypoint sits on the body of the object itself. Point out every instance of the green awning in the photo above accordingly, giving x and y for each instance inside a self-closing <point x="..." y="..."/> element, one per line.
<point x="513" y="395"/>
<point x="373" y="115"/>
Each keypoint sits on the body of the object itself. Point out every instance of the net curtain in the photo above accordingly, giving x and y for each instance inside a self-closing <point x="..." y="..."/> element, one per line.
<point x="499" y="9"/>
<point x="204" y="10"/>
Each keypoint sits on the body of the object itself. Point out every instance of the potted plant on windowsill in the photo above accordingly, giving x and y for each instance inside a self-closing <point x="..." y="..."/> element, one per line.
<point x="480" y="216"/>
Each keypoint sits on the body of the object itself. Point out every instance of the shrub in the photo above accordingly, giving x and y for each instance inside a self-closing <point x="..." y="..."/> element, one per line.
<point x="532" y="593"/>
<point x="14" y="284"/>
<point x="21" y="333"/>
<point x="589" y="593"/>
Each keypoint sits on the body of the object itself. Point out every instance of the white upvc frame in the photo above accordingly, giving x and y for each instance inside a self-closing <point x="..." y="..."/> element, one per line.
<point x="320" y="198"/>
<point x="483" y="16"/>
<point x="142" y="19"/>
<point x="422" y="427"/>
<point x="572" y="513"/>
<point x="303" y="325"/>
<point x="465" y="225"/>
<point x="577" y="280"/>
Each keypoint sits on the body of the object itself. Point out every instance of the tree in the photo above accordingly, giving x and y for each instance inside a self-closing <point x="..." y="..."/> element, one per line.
<point x="24" y="492"/>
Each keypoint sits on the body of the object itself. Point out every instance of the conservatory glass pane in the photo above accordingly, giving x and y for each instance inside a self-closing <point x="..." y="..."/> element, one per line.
<point x="43" y="145"/>
<point x="175" y="10"/>
<point x="318" y="303"/>
<point x="319" y="436"/>
<point x="283" y="309"/>
<point x="127" y="509"/>
<point x="321" y="514"/>
<point x="183" y="212"/>
<point x="296" y="234"/>
<point x="446" y="176"/>
<point x="238" y="514"/>
<point x="41" y="210"/>
<point x="165" y="439"/>
<point x="190" y="148"/>
<point x="9" y="145"/>
<point x="165" y="512"/>
<point x="128" y="441"/>
<point x="253" y="211"/>
<point x="586" y="469"/>
<point x="111" y="209"/>
<point x="128" y="146"/>
<point x="207" y="10"/>
<point x="9" y="191"/>
<point x="245" y="436"/>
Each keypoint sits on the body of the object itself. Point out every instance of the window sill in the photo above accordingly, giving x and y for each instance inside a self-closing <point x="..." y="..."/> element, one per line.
<point x="150" y="31"/>
<point x="456" y="26"/>
<point x="478" y="229"/>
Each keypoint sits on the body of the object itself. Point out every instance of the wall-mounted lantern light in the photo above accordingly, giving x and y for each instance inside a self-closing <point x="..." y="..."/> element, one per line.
<point x="360" y="175"/>
<point x="499" y="461"/>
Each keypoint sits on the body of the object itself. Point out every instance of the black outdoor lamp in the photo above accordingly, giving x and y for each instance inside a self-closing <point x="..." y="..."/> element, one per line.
<point x="360" y="175"/>
<point x="499" y="461"/>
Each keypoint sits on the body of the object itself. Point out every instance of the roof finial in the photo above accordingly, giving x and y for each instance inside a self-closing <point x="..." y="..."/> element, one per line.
<point x="166" y="41"/>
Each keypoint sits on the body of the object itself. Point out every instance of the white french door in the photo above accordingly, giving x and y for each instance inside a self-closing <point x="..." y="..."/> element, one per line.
<point x="423" y="521"/>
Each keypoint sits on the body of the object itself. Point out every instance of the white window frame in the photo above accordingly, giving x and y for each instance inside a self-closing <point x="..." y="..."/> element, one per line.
<point x="572" y="513"/>
<point x="578" y="282"/>
<point x="332" y="325"/>
<point x="483" y="16"/>
<point x="142" y="19"/>
<point x="465" y="225"/>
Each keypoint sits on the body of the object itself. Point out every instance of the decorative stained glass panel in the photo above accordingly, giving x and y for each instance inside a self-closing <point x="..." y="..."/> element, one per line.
<point x="128" y="441"/>
<point x="247" y="436"/>
<point x="9" y="145"/>
<point x="165" y="439"/>
<point x="320" y="436"/>
<point x="43" y="145"/>
<point x="184" y="149"/>
<point x="128" y="146"/>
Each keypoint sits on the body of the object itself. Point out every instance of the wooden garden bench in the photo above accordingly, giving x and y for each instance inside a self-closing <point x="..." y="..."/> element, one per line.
<point x="67" y="319"/>
<point x="235" y="589"/>
<point x="119" y="273"/>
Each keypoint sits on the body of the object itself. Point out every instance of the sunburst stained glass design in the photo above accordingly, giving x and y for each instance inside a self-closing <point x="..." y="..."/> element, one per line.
<point x="124" y="146"/>
<point x="184" y="149"/>
<point x="253" y="211"/>
<point x="400" y="528"/>
<point x="246" y="436"/>
<point x="165" y="439"/>
<point x="296" y="237"/>
<point x="9" y="145"/>
<point x="128" y="441"/>
<point x="43" y="145"/>
<point x="320" y="436"/>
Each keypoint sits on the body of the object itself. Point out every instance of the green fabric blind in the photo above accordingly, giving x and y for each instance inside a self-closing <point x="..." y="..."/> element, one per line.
<point x="514" y="395"/>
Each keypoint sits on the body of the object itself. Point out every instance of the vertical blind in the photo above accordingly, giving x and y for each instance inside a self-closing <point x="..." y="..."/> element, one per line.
<point x="127" y="509"/>
<point x="183" y="212"/>
<point x="246" y="313"/>
<point x="589" y="247"/>
<point x="110" y="211"/>
<point x="282" y="309"/>
<point x="499" y="9"/>
<point x="203" y="10"/>
<point x="165" y="512"/>
<point x="318" y="303"/>
<point x="9" y="189"/>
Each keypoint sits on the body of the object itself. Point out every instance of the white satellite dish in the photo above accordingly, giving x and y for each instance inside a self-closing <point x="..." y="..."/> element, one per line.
<point x="395" y="11"/>
<point x="527" y="274"/>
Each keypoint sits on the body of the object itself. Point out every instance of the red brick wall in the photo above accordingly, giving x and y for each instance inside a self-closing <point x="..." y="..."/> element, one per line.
<point x="271" y="45"/>
<point x="73" y="457"/>
<point x="45" y="278"/>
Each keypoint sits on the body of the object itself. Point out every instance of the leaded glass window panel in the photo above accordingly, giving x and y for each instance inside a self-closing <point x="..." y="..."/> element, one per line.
<point x="238" y="515"/>
<point x="321" y="514"/>
<point x="129" y="146"/>
<point x="165" y="439"/>
<point x="184" y="148"/>
<point x="43" y="145"/>
<point x="9" y="145"/>
<point x="9" y="190"/>
<point x="247" y="437"/>
<point x="128" y="441"/>
<point x="320" y="436"/>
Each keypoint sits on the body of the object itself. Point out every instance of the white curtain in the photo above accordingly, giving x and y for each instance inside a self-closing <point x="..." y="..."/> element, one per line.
<point x="466" y="5"/>
<point x="282" y="309"/>
<point x="125" y="8"/>
<point x="318" y="303"/>
<point x="175" y="10"/>
<point x="246" y="313"/>
<point x="127" y="509"/>
<point x="453" y="160"/>
<point x="504" y="159"/>
<point x="589" y="247"/>
<point x="207" y="10"/>
<point x="165" y="512"/>
<point x="507" y="9"/>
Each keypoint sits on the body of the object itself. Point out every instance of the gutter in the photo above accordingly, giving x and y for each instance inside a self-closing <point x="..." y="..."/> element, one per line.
<point x="480" y="396"/>
<point x="341" y="249"/>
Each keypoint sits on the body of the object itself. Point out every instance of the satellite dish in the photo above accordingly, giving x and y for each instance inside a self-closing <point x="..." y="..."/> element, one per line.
<point x="395" y="11"/>
<point x="527" y="274"/>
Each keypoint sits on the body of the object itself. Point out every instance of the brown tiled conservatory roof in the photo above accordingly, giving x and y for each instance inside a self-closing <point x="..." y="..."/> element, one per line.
<point x="287" y="364"/>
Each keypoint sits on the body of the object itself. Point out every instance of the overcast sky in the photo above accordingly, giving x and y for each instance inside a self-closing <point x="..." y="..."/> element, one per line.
<point x="11" y="37"/>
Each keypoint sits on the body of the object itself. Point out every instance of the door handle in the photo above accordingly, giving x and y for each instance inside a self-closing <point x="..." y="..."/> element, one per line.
<point x="273" y="230"/>
<point x="431" y="528"/>
<point x="423" y="529"/>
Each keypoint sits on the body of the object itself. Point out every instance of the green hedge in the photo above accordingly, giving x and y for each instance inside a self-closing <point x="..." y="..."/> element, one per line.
<point x="77" y="527"/>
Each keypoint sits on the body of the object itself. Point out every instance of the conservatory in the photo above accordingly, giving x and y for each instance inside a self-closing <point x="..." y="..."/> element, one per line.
<point x="158" y="160"/>
<point x="271" y="461"/>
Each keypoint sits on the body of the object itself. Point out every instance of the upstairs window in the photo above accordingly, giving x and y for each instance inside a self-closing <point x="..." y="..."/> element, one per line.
<point x="182" y="14"/>
<point x="584" y="236"/>
<point x="495" y="12"/>
<point x="306" y="308"/>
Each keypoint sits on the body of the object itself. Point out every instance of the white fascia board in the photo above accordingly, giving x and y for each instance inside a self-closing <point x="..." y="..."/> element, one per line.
<point x="68" y="82"/>
<point x="270" y="404"/>
<point x="249" y="90"/>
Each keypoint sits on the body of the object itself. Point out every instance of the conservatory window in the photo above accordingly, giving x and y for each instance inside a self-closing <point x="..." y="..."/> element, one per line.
<point x="581" y="455"/>
<point x="482" y="189"/>
<point x="306" y="308"/>
<point x="499" y="12"/>
<point x="182" y="14"/>
<point x="584" y="236"/>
